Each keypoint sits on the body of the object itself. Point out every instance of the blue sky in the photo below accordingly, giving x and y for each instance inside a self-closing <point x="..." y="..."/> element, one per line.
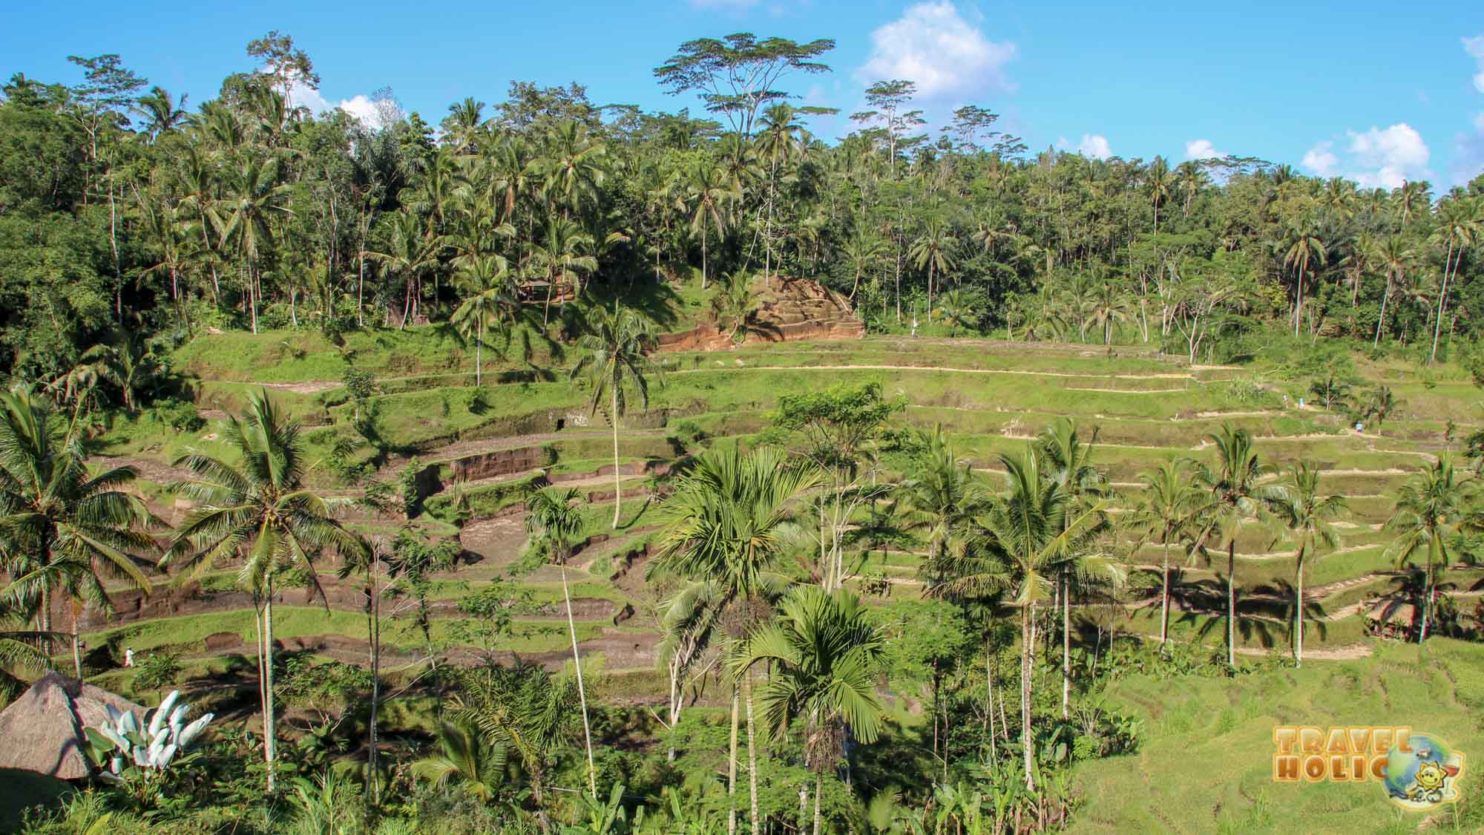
<point x="1377" y="91"/>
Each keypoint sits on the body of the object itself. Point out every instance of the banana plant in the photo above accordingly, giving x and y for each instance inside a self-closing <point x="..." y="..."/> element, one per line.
<point x="123" y="742"/>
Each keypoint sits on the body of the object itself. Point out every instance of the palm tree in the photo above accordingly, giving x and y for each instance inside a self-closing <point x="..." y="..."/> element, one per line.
<point x="1304" y="253"/>
<point x="615" y="358"/>
<point x="1235" y="494"/>
<point x="958" y="310"/>
<point x="1164" y="514"/>
<point x="824" y="653"/>
<point x="1108" y="306"/>
<point x="1460" y="222"/>
<point x="553" y="521"/>
<point x="1307" y="514"/>
<point x="466" y="759"/>
<point x="708" y="197"/>
<point x="573" y="169"/>
<point x="1015" y="554"/>
<point x="259" y="510"/>
<point x="405" y="248"/>
<point x="941" y="494"/>
<point x="563" y="257"/>
<point x="63" y="529"/>
<point x="724" y="525"/>
<point x="1395" y="258"/>
<point x="244" y="218"/>
<point x="1430" y="512"/>
<point x="933" y="250"/>
<point x="492" y="301"/>
<point x="1068" y="463"/>
<point x="861" y="252"/>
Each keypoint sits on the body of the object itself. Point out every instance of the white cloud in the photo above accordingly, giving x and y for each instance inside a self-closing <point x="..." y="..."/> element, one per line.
<point x="1379" y="157"/>
<point x="374" y="113"/>
<point x="1091" y="145"/>
<point x="1202" y="149"/>
<point x="1321" y="159"/>
<point x="931" y="44"/>
<point x="1475" y="48"/>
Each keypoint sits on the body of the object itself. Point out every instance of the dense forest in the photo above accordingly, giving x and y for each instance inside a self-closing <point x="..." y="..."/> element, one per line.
<point x="124" y="212"/>
<point x="538" y="233"/>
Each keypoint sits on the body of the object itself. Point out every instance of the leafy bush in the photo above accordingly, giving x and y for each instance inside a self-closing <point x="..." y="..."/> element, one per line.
<point x="179" y="415"/>
<point x="157" y="669"/>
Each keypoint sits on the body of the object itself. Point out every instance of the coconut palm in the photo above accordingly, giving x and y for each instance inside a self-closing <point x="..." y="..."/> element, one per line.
<point x="941" y="494"/>
<point x="933" y="250"/>
<point x="615" y="359"/>
<point x="1306" y="252"/>
<point x="243" y="219"/>
<point x="725" y="525"/>
<point x="824" y="653"/>
<point x="405" y="248"/>
<point x="1460" y="221"/>
<point x="1395" y="258"/>
<point x="861" y="252"/>
<point x="708" y="198"/>
<point x="259" y="510"/>
<point x="466" y="760"/>
<point x="1431" y="510"/>
<point x="958" y="310"/>
<point x="1235" y="494"/>
<point x="1164" y="514"/>
<point x="1015" y="555"/>
<point x="1308" y="515"/>
<point x="563" y="257"/>
<point x="63" y="529"/>
<point x="1067" y="461"/>
<point x="553" y="521"/>
<point x="689" y="619"/>
<point x="492" y="302"/>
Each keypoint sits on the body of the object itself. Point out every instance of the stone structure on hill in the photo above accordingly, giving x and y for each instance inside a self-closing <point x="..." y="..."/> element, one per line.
<point x="788" y="309"/>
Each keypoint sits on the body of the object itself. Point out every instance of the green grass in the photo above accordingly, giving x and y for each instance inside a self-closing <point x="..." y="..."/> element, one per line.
<point x="1205" y="758"/>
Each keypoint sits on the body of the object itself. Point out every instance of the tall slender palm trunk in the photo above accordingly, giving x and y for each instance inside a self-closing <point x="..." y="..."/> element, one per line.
<point x="617" y="476"/>
<point x="1027" y="745"/>
<point x="1298" y="612"/>
<point x="270" y="746"/>
<point x="1164" y="598"/>
<point x="732" y="766"/>
<point x="754" y="815"/>
<point x="1066" y="646"/>
<point x="1231" y="602"/>
<point x="1437" y="327"/>
<point x="587" y="733"/>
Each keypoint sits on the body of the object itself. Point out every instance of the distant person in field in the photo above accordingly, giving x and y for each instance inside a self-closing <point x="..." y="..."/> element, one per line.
<point x="129" y="657"/>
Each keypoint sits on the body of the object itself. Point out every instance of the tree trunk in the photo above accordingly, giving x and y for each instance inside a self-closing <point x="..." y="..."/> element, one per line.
<point x="1066" y="645"/>
<point x="587" y="733"/>
<point x="732" y="767"/>
<point x="1231" y="602"/>
<point x="479" y="356"/>
<point x="1027" y="615"/>
<point x="269" y="729"/>
<point x="1298" y="613"/>
<point x="372" y="752"/>
<point x="1298" y="304"/>
<point x="76" y="646"/>
<point x="1437" y="327"/>
<point x="754" y="816"/>
<point x="1381" y="317"/>
<point x="818" y="816"/>
<point x="1164" y="598"/>
<point x="994" y="754"/>
<point x="617" y="476"/>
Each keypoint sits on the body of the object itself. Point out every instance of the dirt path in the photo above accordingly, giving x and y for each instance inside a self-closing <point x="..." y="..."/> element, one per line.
<point x="1009" y="371"/>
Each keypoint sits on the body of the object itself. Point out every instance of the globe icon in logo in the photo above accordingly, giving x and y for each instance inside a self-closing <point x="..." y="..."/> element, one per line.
<point x="1424" y="775"/>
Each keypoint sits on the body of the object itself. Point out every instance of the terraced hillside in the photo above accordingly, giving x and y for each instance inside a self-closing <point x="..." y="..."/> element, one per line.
<point x="470" y="456"/>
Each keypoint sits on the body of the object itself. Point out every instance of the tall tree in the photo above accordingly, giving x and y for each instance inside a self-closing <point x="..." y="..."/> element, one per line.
<point x="1308" y="515"/>
<point x="64" y="530"/>
<point x="615" y="359"/>
<point x="257" y="509"/>
<point x="1431" y="510"/>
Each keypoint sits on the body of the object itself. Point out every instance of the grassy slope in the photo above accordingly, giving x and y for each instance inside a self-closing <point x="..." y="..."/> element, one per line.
<point x="1205" y="761"/>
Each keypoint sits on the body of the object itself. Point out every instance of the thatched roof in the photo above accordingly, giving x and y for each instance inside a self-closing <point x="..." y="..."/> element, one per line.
<point x="43" y="729"/>
<point x="1392" y="612"/>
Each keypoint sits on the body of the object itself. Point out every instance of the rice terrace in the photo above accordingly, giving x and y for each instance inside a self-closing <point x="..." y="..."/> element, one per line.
<point x="740" y="465"/>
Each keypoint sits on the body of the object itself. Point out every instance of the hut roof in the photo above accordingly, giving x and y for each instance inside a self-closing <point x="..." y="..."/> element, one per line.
<point x="43" y="729"/>
<point x="1392" y="612"/>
